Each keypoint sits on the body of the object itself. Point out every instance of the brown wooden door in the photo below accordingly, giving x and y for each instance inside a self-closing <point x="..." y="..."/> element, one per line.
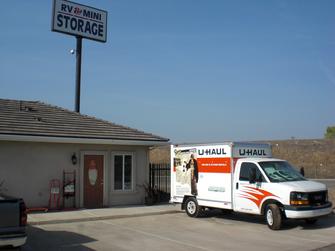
<point x="93" y="181"/>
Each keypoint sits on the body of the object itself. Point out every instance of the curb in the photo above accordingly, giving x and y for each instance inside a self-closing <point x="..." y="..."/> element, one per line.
<point x="110" y="217"/>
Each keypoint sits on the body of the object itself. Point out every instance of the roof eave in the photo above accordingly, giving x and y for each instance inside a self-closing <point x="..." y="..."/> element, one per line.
<point x="71" y="140"/>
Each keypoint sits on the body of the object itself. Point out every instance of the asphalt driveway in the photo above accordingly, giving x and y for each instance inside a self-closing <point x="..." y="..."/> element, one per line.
<point x="180" y="232"/>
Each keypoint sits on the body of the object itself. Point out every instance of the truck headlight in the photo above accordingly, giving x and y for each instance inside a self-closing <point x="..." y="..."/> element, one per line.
<point x="298" y="198"/>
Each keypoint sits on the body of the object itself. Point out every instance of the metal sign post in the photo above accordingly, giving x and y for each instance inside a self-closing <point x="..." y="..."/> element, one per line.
<point x="78" y="72"/>
<point x="83" y="22"/>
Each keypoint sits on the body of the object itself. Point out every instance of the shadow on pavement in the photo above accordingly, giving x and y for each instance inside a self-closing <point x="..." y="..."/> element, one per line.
<point x="322" y="223"/>
<point x="326" y="248"/>
<point x="39" y="239"/>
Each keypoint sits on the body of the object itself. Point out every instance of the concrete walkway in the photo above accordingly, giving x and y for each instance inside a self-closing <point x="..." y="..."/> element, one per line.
<point x="100" y="214"/>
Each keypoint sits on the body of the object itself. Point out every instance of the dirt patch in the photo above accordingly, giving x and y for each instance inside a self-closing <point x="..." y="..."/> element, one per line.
<point x="316" y="156"/>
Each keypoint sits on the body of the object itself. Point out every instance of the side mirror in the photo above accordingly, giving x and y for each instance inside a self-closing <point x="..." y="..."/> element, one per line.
<point x="252" y="176"/>
<point x="302" y="171"/>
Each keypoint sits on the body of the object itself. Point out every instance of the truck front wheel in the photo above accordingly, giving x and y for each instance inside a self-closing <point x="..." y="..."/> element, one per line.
<point x="192" y="208"/>
<point x="273" y="217"/>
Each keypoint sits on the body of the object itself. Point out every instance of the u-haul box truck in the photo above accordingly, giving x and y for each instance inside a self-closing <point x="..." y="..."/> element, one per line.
<point x="244" y="177"/>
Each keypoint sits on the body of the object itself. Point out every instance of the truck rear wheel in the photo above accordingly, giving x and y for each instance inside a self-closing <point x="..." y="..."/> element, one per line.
<point x="192" y="208"/>
<point x="273" y="217"/>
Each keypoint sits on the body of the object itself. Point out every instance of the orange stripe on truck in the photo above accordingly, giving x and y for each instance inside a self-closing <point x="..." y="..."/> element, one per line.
<point x="256" y="195"/>
<point x="214" y="165"/>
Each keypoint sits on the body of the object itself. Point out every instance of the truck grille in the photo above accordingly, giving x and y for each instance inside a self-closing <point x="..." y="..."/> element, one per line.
<point x="317" y="198"/>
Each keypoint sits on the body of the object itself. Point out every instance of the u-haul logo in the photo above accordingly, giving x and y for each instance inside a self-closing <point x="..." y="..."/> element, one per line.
<point x="211" y="152"/>
<point x="252" y="152"/>
<point x="247" y="152"/>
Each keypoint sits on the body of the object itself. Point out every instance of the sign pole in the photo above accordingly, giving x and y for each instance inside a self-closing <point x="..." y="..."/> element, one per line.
<point x="81" y="21"/>
<point x="78" y="72"/>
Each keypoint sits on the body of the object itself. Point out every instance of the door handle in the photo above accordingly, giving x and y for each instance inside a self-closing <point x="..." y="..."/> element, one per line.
<point x="236" y="185"/>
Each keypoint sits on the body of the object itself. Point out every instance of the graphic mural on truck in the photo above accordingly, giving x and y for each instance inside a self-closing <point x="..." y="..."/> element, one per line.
<point x="186" y="168"/>
<point x="194" y="164"/>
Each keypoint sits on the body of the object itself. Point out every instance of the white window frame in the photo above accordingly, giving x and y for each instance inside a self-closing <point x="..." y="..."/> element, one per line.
<point x="132" y="154"/>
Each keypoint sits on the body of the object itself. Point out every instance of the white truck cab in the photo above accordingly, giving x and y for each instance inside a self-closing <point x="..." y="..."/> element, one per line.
<point x="244" y="177"/>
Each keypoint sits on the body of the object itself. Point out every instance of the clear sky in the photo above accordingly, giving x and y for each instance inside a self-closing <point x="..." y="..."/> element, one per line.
<point x="188" y="70"/>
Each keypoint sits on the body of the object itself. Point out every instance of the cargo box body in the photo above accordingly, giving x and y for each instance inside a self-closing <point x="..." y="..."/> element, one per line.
<point x="212" y="171"/>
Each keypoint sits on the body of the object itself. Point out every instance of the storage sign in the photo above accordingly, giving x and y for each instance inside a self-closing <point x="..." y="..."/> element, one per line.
<point x="79" y="20"/>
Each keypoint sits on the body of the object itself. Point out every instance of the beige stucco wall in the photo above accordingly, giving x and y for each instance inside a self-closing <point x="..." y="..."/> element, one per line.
<point x="28" y="167"/>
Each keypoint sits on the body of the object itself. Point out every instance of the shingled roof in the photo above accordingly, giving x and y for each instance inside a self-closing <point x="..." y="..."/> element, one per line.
<point x="34" y="118"/>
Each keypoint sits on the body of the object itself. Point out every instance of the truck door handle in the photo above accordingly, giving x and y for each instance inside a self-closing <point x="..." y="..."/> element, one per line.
<point x="236" y="185"/>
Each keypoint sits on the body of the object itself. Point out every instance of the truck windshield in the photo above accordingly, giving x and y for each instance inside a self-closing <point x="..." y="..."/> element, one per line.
<point x="280" y="171"/>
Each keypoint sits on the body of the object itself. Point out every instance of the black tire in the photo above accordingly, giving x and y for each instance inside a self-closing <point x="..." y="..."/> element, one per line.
<point x="192" y="208"/>
<point x="311" y="221"/>
<point x="273" y="217"/>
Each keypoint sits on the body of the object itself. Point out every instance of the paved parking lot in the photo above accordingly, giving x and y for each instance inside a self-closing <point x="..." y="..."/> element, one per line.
<point x="180" y="232"/>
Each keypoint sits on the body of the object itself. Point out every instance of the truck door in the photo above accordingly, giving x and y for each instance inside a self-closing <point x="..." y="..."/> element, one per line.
<point x="247" y="193"/>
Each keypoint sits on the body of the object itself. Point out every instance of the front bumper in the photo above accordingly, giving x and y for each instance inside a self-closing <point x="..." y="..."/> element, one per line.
<point x="303" y="212"/>
<point x="13" y="240"/>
